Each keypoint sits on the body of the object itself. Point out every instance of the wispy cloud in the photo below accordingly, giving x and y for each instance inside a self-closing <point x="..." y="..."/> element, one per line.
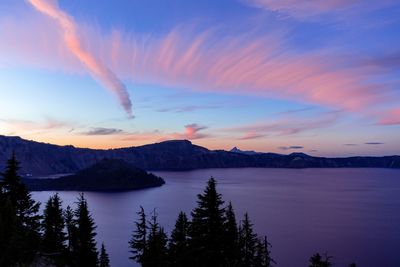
<point x="28" y="126"/>
<point x="294" y="111"/>
<point x="103" y="131"/>
<point x="184" y="109"/>
<point x="388" y="61"/>
<point x="192" y="131"/>
<point x="264" y="66"/>
<point x="290" y="147"/>
<point x="314" y="9"/>
<point x="74" y="43"/>
<point x="285" y="126"/>
<point x="374" y="143"/>
<point x="391" y="117"/>
<point x="350" y="144"/>
<point x="251" y="135"/>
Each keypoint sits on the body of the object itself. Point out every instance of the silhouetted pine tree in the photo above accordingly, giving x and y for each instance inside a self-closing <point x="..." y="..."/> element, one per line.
<point x="53" y="228"/>
<point x="23" y="236"/>
<point x="207" y="228"/>
<point x="70" y="225"/>
<point x="138" y="242"/>
<point x="179" y="242"/>
<point x="10" y="233"/>
<point x="104" y="260"/>
<point x="156" y="255"/>
<point x="352" y="265"/>
<point x="263" y="254"/>
<point x="86" y="251"/>
<point x="231" y="239"/>
<point x="317" y="261"/>
<point x="248" y="242"/>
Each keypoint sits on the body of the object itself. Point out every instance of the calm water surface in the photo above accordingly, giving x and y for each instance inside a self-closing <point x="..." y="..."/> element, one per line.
<point x="353" y="214"/>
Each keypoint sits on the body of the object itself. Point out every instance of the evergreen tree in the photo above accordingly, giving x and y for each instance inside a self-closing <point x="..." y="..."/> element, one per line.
<point x="231" y="240"/>
<point x="70" y="224"/>
<point x="207" y="228"/>
<point x="23" y="237"/>
<point x="53" y="227"/>
<point x="71" y="237"/>
<point x="13" y="188"/>
<point x="9" y="234"/>
<point x="104" y="260"/>
<point x="86" y="251"/>
<point x="138" y="242"/>
<point x="248" y="242"/>
<point x="179" y="242"/>
<point x="352" y="265"/>
<point x="317" y="261"/>
<point x="263" y="254"/>
<point x="156" y="255"/>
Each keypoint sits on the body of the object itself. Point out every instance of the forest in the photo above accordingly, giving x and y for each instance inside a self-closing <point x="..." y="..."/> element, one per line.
<point x="210" y="236"/>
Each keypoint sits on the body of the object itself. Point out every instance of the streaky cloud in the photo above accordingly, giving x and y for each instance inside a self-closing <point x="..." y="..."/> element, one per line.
<point x="192" y="131"/>
<point x="314" y="9"/>
<point x="290" y="147"/>
<point x="251" y="135"/>
<point x="286" y="126"/>
<point x="263" y="66"/>
<point x="185" y="109"/>
<point x="29" y="126"/>
<point x="72" y="40"/>
<point x="391" y="117"/>
<point x="374" y="143"/>
<point x="103" y="131"/>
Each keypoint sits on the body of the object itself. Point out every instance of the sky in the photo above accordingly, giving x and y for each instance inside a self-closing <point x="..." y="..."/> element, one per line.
<point x="320" y="77"/>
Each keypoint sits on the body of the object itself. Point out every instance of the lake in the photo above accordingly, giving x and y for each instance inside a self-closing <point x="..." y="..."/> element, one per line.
<point x="352" y="214"/>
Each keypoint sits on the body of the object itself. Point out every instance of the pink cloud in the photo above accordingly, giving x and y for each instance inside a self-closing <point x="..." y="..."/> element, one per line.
<point x="251" y="135"/>
<point x="391" y="117"/>
<point x="283" y="126"/>
<point x="262" y="67"/>
<point x="247" y="65"/>
<point x="27" y="46"/>
<point x="74" y="44"/>
<point x="192" y="131"/>
<point x="29" y="126"/>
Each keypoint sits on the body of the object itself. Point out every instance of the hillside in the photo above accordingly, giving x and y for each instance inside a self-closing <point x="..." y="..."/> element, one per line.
<point x="43" y="159"/>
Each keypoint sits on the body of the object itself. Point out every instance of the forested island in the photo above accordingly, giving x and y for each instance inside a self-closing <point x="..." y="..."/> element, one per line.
<point x="105" y="175"/>
<point x="210" y="236"/>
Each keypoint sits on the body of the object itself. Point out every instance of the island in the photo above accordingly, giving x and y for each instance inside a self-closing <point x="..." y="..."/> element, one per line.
<point x="105" y="175"/>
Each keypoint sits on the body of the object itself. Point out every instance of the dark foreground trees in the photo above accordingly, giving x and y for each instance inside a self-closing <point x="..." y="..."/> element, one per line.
<point x="19" y="219"/>
<point x="211" y="238"/>
<point x="318" y="261"/>
<point x="56" y="238"/>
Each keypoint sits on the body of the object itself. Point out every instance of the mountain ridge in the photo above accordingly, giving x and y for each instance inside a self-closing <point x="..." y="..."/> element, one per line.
<point x="45" y="159"/>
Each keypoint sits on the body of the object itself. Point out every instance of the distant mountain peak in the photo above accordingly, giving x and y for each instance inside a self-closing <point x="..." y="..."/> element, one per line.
<point x="246" y="152"/>
<point x="300" y="154"/>
<point x="235" y="149"/>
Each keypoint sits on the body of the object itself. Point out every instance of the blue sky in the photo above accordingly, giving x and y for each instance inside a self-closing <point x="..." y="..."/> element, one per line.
<point x="284" y="76"/>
